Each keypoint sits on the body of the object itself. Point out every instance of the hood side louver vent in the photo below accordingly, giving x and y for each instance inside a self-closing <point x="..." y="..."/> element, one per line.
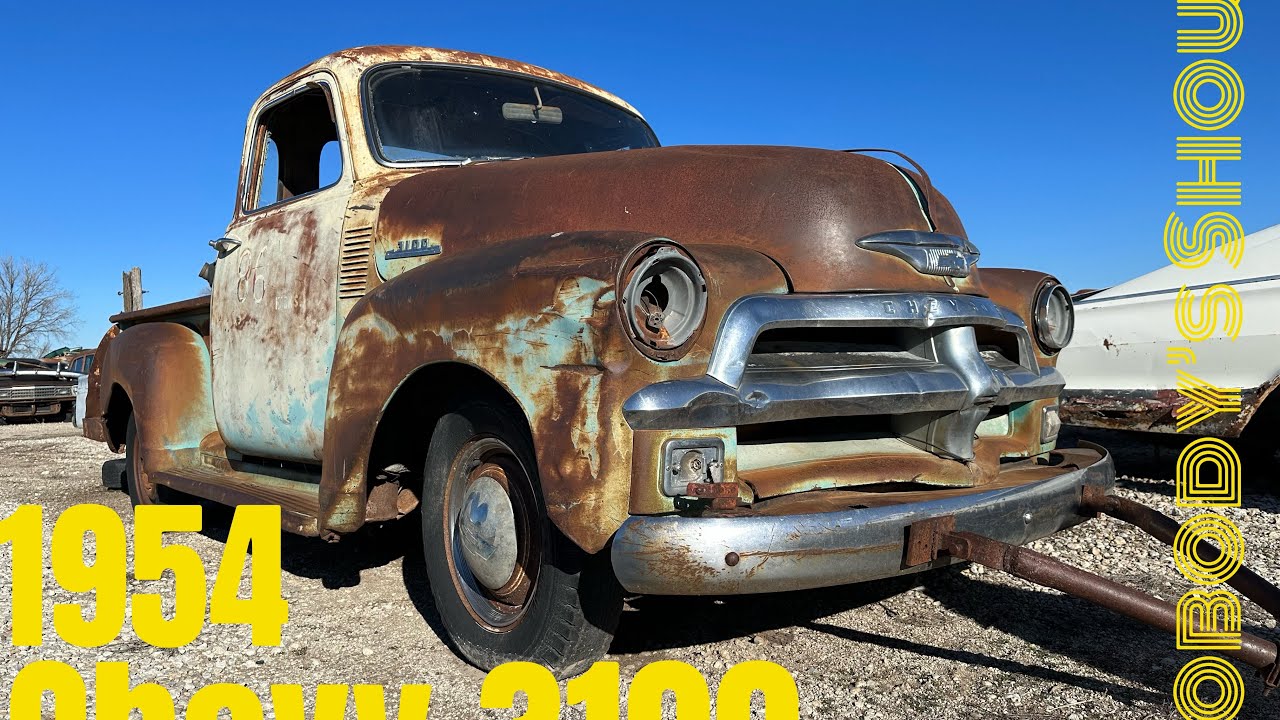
<point x="353" y="268"/>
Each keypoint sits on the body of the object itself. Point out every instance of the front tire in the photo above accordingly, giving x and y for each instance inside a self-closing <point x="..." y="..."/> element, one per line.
<point x="507" y="584"/>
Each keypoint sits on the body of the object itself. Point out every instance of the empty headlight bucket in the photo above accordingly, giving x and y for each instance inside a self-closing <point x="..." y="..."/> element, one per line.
<point x="664" y="301"/>
<point x="1055" y="318"/>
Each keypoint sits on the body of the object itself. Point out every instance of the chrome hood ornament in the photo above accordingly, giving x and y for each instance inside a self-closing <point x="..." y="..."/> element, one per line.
<point x="930" y="253"/>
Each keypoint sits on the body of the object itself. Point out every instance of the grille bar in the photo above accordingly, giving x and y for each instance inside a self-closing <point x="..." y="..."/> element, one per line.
<point x="37" y="392"/>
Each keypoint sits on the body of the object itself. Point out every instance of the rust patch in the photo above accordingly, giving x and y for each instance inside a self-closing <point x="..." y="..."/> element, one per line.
<point x="1154" y="410"/>
<point x="801" y="207"/>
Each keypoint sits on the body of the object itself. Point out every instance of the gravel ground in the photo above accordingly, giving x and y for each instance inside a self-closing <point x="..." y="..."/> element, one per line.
<point x="956" y="643"/>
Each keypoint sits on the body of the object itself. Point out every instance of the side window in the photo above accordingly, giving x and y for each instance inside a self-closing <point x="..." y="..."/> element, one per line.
<point x="269" y="187"/>
<point x="296" y="149"/>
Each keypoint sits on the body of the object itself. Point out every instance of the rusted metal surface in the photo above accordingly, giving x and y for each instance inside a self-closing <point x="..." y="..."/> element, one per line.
<point x="1011" y="475"/>
<point x="96" y="402"/>
<point x="1016" y="289"/>
<point x="1165" y="529"/>
<point x="796" y="544"/>
<point x="348" y="66"/>
<point x="314" y="332"/>
<point x="163" y="370"/>
<point x="723" y="495"/>
<point x="801" y="207"/>
<point x="274" y="328"/>
<point x="168" y="312"/>
<point x="933" y="540"/>
<point x="647" y="464"/>
<point x="537" y="316"/>
<point x="1154" y="410"/>
<point x="925" y="538"/>
<point x="868" y="467"/>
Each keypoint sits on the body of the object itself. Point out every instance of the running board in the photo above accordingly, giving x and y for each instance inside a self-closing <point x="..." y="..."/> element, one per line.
<point x="299" y="501"/>
<point x="934" y="538"/>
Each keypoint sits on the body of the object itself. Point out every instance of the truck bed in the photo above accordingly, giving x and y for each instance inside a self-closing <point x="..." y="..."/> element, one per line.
<point x="174" y="311"/>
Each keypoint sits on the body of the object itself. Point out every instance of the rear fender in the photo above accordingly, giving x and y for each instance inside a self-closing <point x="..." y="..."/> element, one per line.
<point x="164" y="370"/>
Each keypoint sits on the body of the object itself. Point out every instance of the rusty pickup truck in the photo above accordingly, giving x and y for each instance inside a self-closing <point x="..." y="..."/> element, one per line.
<point x="477" y="290"/>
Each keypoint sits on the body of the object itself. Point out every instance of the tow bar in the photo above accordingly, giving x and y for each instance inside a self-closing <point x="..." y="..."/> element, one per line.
<point x="927" y="540"/>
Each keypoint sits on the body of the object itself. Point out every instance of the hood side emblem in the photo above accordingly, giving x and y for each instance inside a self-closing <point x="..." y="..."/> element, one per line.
<point x="928" y="252"/>
<point x="412" y="248"/>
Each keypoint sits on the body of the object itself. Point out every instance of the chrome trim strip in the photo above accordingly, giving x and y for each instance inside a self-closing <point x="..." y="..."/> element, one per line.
<point x="961" y="380"/>
<point x="774" y="396"/>
<point x="674" y="555"/>
<point x="37" y="392"/>
<point x="1093" y="299"/>
<point x="749" y="316"/>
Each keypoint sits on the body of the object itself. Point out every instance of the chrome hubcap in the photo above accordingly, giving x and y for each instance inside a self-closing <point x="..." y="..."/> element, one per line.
<point x="494" y="543"/>
<point x="487" y="533"/>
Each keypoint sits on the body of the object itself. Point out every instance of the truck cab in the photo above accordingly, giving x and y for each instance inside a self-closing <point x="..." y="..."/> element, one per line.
<point x="479" y="292"/>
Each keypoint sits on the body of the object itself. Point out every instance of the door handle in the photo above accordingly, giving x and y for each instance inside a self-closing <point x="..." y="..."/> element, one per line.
<point x="224" y="246"/>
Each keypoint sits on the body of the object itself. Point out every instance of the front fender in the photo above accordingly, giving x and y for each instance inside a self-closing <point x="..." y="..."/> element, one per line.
<point x="538" y="315"/>
<point x="1016" y="289"/>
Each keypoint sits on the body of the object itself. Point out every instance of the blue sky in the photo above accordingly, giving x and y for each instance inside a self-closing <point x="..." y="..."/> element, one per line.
<point x="1048" y="124"/>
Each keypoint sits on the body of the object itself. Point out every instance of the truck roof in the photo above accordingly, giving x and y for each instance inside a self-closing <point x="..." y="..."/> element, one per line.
<point x="351" y="63"/>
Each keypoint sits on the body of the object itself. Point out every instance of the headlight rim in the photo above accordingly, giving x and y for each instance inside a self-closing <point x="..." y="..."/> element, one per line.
<point x="650" y="252"/>
<point x="1040" y="320"/>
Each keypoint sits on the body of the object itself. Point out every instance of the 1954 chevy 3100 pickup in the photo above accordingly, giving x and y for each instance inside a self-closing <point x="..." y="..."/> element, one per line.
<point x="479" y="290"/>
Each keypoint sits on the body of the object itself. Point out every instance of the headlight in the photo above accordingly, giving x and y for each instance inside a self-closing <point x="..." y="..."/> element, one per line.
<point x="1055" y="318"/>
<point x="665" y="301"/>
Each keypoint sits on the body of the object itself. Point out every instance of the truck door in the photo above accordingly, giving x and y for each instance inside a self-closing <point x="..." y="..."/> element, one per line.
<point x="274" y="307"/>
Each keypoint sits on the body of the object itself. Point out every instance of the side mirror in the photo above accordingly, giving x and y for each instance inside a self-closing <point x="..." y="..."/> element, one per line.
<point x="224" y="247"/>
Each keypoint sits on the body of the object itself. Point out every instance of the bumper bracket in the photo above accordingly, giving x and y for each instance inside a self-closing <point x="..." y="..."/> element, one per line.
<point x="935" y="538"/>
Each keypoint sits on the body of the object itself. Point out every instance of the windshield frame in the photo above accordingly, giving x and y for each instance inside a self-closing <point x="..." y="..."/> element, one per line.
<point x="375" y="148"/>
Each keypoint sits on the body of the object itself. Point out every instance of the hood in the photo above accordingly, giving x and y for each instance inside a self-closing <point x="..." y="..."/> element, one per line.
<point x="802" y="207"/>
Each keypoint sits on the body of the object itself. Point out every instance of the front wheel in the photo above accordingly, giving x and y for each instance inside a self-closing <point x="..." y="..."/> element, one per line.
<point x="508" y="586"/>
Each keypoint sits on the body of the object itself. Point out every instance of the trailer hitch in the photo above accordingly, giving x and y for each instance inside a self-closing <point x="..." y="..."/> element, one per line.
<point x="927" y="540"/>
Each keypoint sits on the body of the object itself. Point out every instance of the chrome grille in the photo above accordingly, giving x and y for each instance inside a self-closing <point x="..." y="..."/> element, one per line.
<point x="38" y="392"/>
<point x="913" y="357"/>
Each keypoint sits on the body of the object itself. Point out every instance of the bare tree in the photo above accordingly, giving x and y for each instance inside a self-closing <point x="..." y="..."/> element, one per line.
<point x="34" y="307"/>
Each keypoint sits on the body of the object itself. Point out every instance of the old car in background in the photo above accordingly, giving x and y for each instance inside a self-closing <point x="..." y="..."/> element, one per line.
<point x="81" y="363"/>
<point x="30" y="388"/>
<point x="479" y="290"/>
<point x="1124" y="365"/>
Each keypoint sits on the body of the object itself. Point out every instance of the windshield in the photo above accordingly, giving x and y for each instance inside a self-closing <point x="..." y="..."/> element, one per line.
<point x="428" y="113"/>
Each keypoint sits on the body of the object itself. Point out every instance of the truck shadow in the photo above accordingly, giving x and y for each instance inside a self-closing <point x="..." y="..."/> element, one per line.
<point x="1062" y="625"/>
<point x="1149" y="461"/>
<point x="340" y="565"/>
<point x="1050" y="624"/>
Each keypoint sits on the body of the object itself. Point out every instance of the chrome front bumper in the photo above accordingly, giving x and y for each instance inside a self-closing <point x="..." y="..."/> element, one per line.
<point x="673" y="555"/>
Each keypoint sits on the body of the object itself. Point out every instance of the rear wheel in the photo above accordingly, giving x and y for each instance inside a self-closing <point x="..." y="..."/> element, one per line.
<point x="508" y="586"/>
<point x="141" y="491"/>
